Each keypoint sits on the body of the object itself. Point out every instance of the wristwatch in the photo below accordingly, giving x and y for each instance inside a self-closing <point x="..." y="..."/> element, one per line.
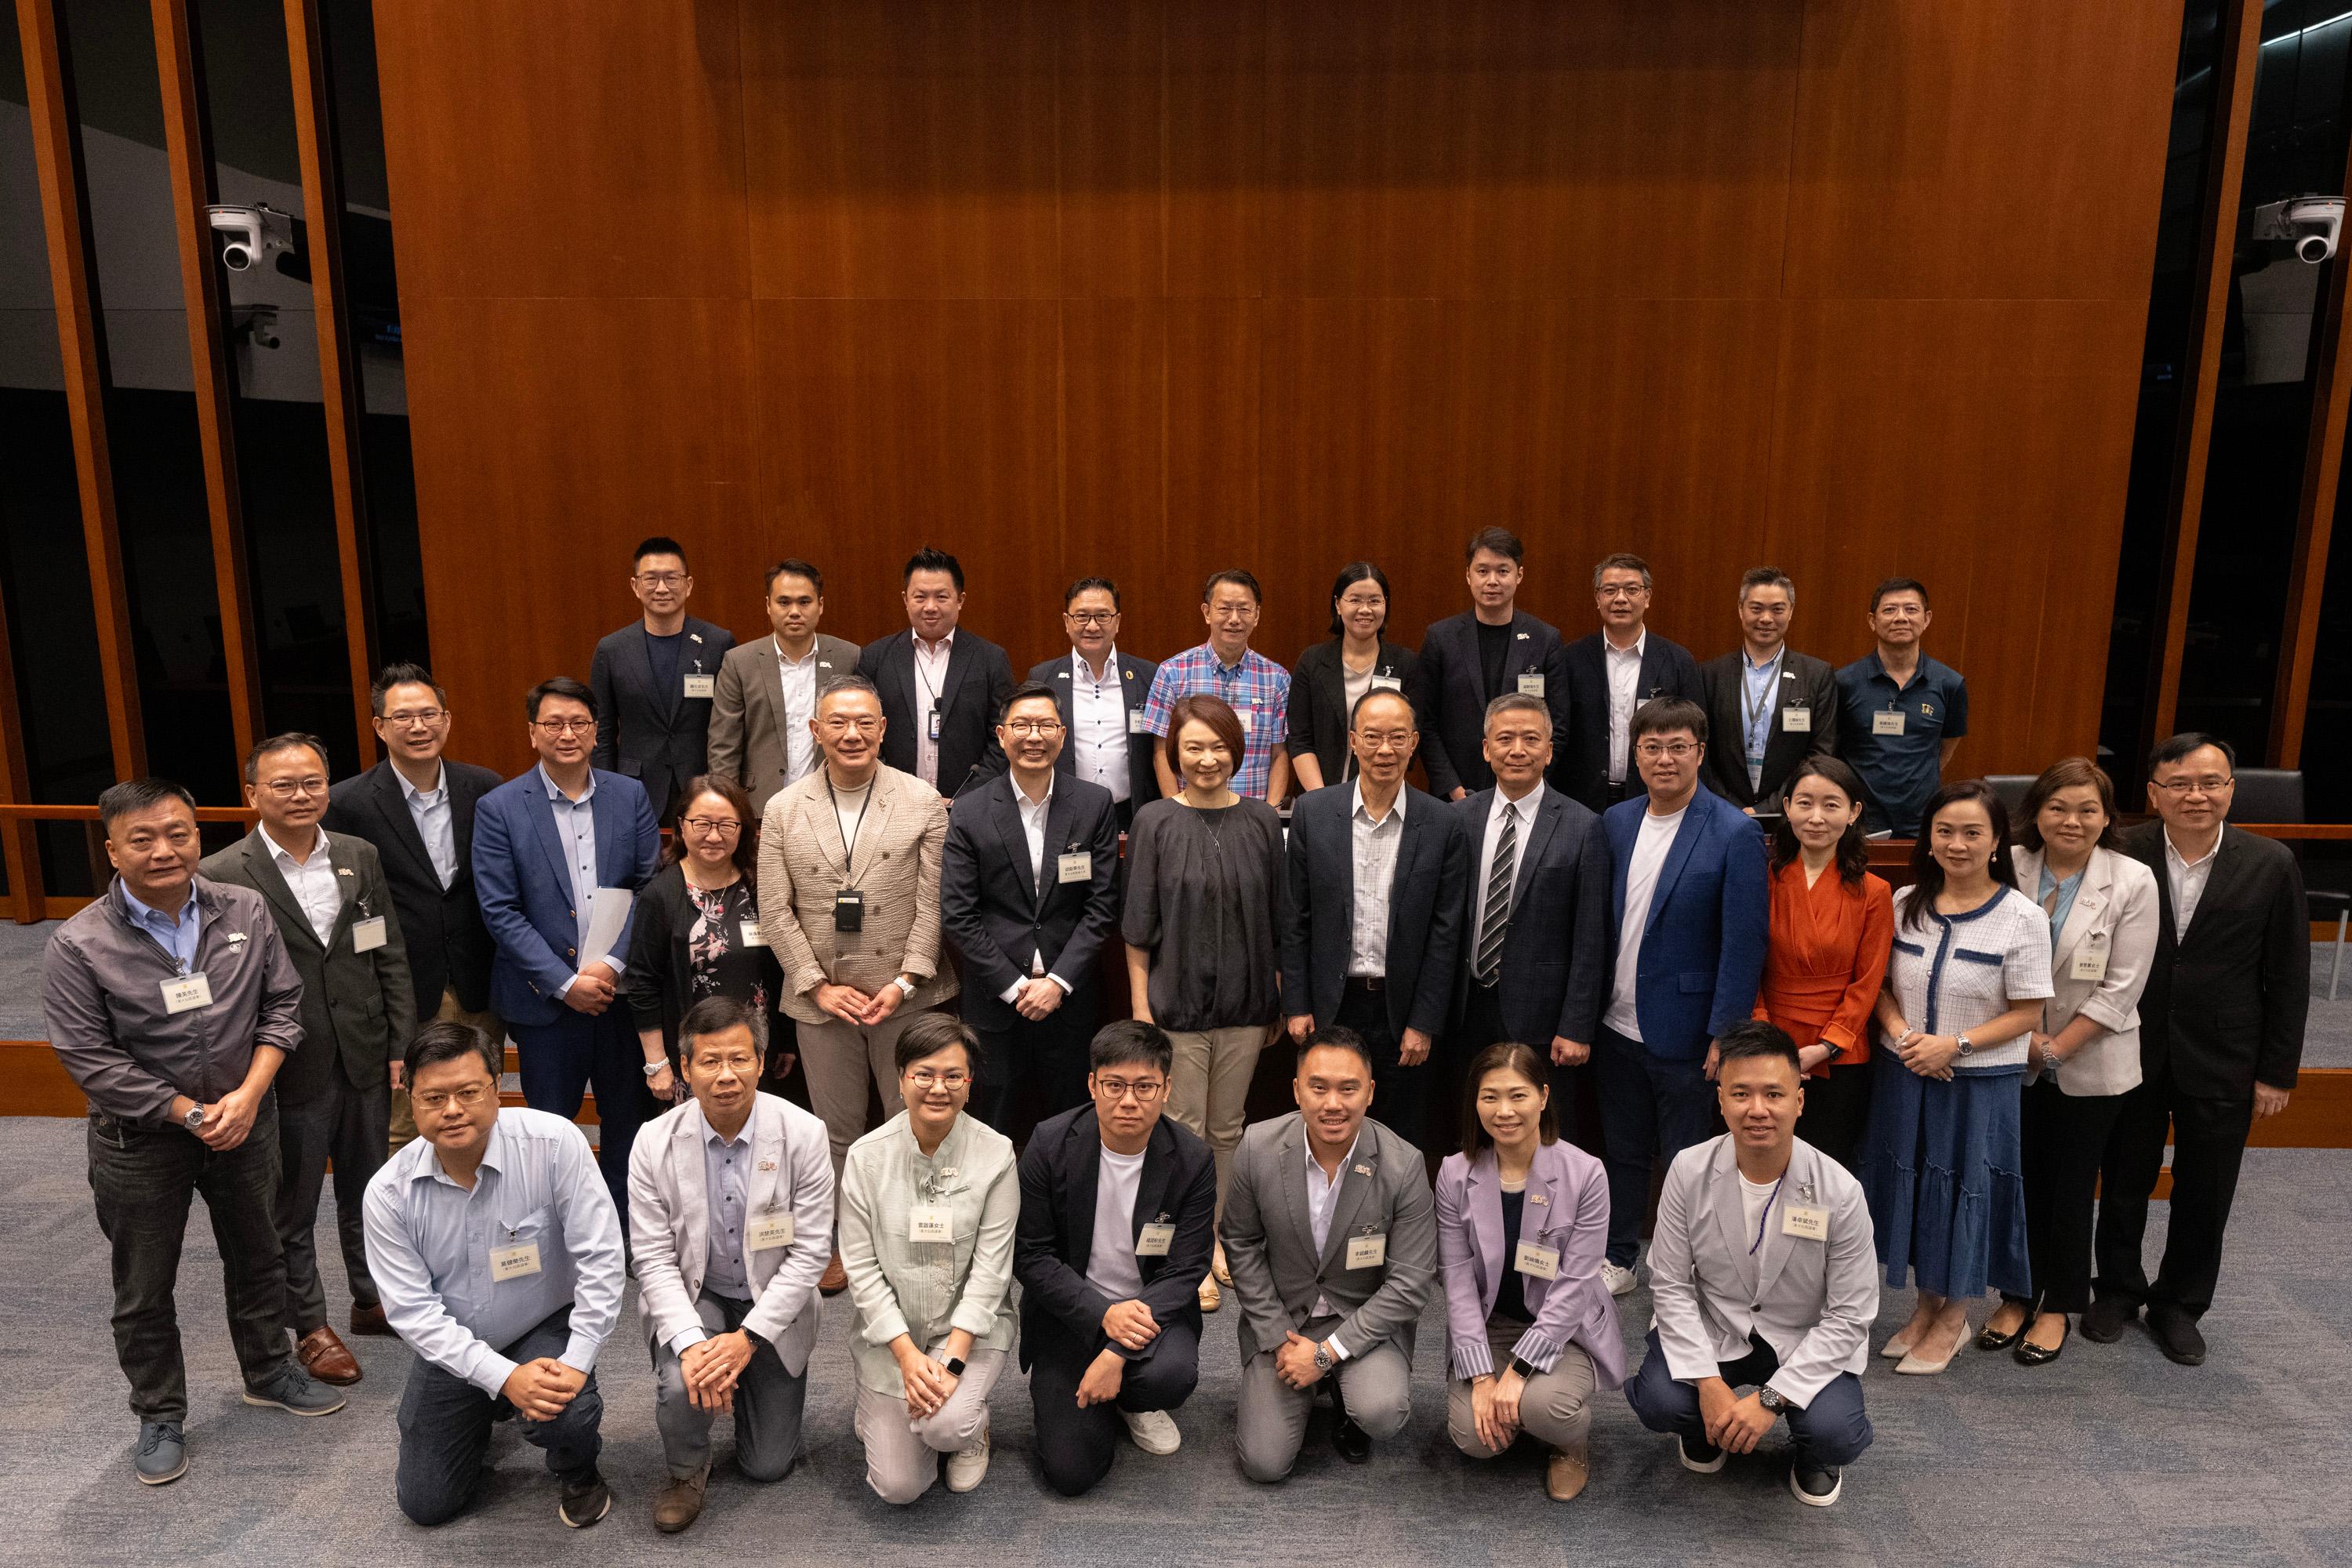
<point x="1771" y="1399"/>
<point x="1967" y="1045"/>
<point x="1524" y="1367"/>
<point x="653" y="1069"/>
<point x="954" y="1364"/>
<point x="195" y="1118"/>
<point x="1324" y="1360"/>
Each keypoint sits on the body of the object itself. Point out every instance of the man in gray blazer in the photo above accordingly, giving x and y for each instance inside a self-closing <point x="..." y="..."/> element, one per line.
<point x="1331" y="1235"/>
<point x="1760" y="1216"/>
<point x="333" y="910"/>
<point x="767" y="689"/>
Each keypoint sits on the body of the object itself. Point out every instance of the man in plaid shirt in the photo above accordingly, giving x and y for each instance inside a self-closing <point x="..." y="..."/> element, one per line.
<point x="1257" y="689"/>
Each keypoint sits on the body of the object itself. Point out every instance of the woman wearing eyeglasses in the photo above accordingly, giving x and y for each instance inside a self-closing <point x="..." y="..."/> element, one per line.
<point x="929" y="1201"/>
<point x="1331" y="676"/>
<point x="698" y="931"/>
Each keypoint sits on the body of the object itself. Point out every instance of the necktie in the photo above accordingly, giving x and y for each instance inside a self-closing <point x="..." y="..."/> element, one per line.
<point x="1495" y="918"/>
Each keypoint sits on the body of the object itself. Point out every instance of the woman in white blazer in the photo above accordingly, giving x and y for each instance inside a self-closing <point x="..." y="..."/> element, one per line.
<point x="2102" y="911"/>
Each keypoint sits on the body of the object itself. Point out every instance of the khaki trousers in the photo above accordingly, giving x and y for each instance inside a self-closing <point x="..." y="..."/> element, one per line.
<point x="1208" y="1090"/>
<point x="1555" y="1407"/>
<point x="837" y="1056"/>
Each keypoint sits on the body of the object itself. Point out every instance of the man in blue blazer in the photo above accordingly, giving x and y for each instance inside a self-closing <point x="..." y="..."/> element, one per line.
<point x="548" y="845"/>
<point x="1611" y="674"/>
<point x="1690" y="910"/>
<point x="1101" y="692"/>
<point x="1376" y="871"/>
<point x="655" y="679"/>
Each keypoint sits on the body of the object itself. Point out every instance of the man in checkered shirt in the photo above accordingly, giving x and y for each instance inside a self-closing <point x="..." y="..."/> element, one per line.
<point x="1254" y="687"/>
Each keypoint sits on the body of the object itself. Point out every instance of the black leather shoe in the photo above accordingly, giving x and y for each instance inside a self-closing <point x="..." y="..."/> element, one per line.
<point x="2104" y="1323"/>
<point x="2176" y="1336"/>
<point x="1352" y="1442"/>
<point x="1991" y="1338"/>
<point x="2028" y="1354"/>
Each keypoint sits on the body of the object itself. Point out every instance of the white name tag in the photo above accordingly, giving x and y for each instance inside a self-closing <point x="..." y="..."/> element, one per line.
<point x="1368" y="1251"/>
<point x="1531" y="685"/>
<point x="935" y="723"/>
<point x="367" y="935"/>
<point x="1807" y="1225"/>
<point x="1135" y="724"/>
<point x="1887" y="722"/>
<point x="187" y="993"/>
<point x="930" y="1222"/>
<point x="514" y="1262"/>
<point x="702" y="686"/>
<point x="1536" y="1262"/>
<point x="769" y="1230"/>
<point x="1387" y="683"/>
<point x="1155" y="1240"/>
<point x="753" y="935"/>
<point x="1244" y="715"/>
<point x="1078" y="866"/>
<point x="1797" y="720"/>
<point x="2090" y="960"/>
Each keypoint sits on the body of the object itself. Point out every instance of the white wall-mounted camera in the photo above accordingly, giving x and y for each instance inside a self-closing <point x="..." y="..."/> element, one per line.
<point x="2309" y="225"/>
<point x="248" y="235"/>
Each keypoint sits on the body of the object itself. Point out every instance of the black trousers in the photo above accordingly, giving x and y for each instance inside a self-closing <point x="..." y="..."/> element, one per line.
<point x="141" y="1179"/>
<point x="2065" y="1138"/>
<point x="351" y="1127"/>
<point x="1036" y="1070"/>
<point x="1837" y="1110"/>
<point x="1075" y="1447"/>
<point x="1400" y="1094"/>
<point x="2208" y="1145"/>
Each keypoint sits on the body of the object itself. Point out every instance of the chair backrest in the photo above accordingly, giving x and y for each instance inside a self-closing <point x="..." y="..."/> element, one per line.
<point x="2010" y="789"/>
<point x="2268" y="794"/>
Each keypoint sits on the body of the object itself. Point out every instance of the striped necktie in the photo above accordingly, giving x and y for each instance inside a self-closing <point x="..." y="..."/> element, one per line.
<point x="1495" y="916"/>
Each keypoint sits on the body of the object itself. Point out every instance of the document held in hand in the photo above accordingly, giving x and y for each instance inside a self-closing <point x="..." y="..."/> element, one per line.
<point x="606" y="917"/>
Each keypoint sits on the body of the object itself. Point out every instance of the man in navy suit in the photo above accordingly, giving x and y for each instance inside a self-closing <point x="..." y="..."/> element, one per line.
<point x="1376" y="870"/>
<point x="1028" y="893"/>
<point x="1690" y="908"/>
<point x="1102" y="693"/>
<point x="942" y="686"/>
<point x="1489" y="650"/>
<point x="549" y="846"/>
<point x="1611" y="673"/>
<point x="655" y="681"/>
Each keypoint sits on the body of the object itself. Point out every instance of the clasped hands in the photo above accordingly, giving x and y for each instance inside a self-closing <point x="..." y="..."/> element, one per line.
<point x="1735" y="1423"/>
<point x="851" y="1006"/>
<point x="711" y="1368"/>
<point x="540" y="1389"/>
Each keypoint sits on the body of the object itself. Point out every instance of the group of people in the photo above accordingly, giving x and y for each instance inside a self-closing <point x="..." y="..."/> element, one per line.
<point x="1633" y="881"/>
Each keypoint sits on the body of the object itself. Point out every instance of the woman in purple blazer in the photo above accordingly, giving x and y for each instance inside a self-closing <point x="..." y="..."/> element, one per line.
<point x="1522" y="1219"/>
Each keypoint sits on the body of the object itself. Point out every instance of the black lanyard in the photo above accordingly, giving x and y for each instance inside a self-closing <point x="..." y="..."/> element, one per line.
<point x="849" y="844"/>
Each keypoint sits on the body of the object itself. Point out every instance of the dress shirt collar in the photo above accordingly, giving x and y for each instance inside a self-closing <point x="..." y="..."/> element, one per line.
<point x="2181" y="862"/>
<point x="805" y="661"/>
<point x="1218" y="660"/>
<point x="1526" y="805"/>
<point x="1021" y="797"/>
<point x="156" y="920"/>
<point x="494" y="1156"/>
<point x="926" y="648"/>
<point x="1307" y="1141"/>
<point x="717" y="1140"/>
<point x="1396" y="806"/>
<point x="1641" y="645"/>
<point x="1748" y="660"/>
<point x="285" y="856"/>
<point x="1081" y="668"/>
<point x="415" y="796"/>
<point x="555" y="792"/>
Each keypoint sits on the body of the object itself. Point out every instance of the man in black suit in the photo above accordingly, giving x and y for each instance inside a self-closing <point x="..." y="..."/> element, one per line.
<point x="1535" y="939"/>
<point x="1611" y="673"/>
<point x="2221" y="1026"/>
<point x="941" y="687"/>
<point x="1376" y="878"/>
<point x="655" y="681"/>
<point x="1468" y="660"/>
<point x="1028" y="892"/>
<point x="416" y="807"/>
<point x="1767" y="707"/>
<point x="1101" y="692"/>
<point x="1117" y="1207"/>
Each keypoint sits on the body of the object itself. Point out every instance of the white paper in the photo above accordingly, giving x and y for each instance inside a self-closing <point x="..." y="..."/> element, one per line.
<point x="606" y="916"/>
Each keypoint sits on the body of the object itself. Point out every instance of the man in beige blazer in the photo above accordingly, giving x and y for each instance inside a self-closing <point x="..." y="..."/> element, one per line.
<point x="766" y="695"/>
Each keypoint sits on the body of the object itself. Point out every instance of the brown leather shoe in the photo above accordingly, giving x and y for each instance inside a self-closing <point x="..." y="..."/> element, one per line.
<point x="368" y="1321"/>
<point x="679" y="1501"/>
<point x="325" y="1357"/>
<point x="835" y="1279"/>
<point x="1566" y="1472"/>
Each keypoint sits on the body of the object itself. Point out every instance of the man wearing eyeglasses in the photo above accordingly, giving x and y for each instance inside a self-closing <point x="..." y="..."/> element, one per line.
<point x="2222" y="1026"/>
<point x="654" y="681"/>
<point x="1689" y="911"/>
<point x="556" y="848"/>
<point x="1611" y="674"/>
<point x="1102" y="693"/>
<point x="334" y="913"/>
<point x="1118" y="1206"/>
<point x="1028" y="893"/>
<point x="416" y="807"/>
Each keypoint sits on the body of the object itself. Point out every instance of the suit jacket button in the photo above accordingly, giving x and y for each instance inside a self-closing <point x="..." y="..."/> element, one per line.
<point x="571" y="952"/>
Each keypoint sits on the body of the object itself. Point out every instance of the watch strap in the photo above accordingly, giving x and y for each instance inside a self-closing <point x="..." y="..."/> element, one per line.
<point x="1524" y="1367"/>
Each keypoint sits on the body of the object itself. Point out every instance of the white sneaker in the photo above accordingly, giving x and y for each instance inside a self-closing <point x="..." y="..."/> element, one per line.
<point x="1620" y="1281"/>
<point x="1154" y="1431"/>
<point x="967" y="1468"/>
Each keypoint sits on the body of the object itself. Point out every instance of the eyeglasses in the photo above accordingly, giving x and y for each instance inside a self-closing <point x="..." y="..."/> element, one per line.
<point x="1386" y="740"/>
<point x="926" y="1079"/>
<point x="287" y="789"/>
<point x="472" y="1095"/>
<point x="566" y="726"/>
<point x="1033" y="726"/>
<point x="713" y="827"/>
<point x="1622" y="592"/>
<point x="661" y="579"/>
<point x="2176" y="788"/>
<point x="1090" y="617"/>
<point x="1653" y="750"/>
<point x="1119" y="1089"/>
<point x="416" y="718"/>
<point x="840" y="726"/>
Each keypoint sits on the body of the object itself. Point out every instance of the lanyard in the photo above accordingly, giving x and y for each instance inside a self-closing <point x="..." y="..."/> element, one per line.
<point x="1763" y="705"/>
<point x="849" y="845"/>
<point x="1762" y="1218"/>
<point x="921" y="679"/>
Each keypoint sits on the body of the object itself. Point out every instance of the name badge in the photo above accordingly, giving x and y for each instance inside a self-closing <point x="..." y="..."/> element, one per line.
<point x="935" y="723"/>
<point x="1804" y="1224"/>
<point x="769" y="1230"/>
<point x="1531" y="684"/>
<point x="850" y="911"/>
<point x="1244" y="715"/>
<point x="1797" y="720"/>
<point x="1135" y="724"/>
<point x="186" y="993"/>
<point x="1368" y="1251"/>
<point x="702" y="686"/>
<point x="753" y="935"/>
<point x="514" y="1262"/>
<point x="1078" y="866"/>
<point x="930" y="1222"/>
<point x="2090" y="960"/>
<point x="367" y="935"/>
<point x="1387" y="683"/>
<point x="1887" y="722"/>
<point x="1536" y="1262"/>
<point x="1155" y="1240"/>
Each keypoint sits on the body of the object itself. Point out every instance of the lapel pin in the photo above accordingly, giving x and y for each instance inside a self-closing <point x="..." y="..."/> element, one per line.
<point x="694" y="637"/>
<point x="345" y="871"/>
<point x="1130" y="675"/>
<point x="767" y="1164"/>
<point x="1523" y="636"/>
<point x="1064" y="675"/>
<point x="235" y="937"/>
<point x="1538" y="1198"/>
<point x="1363" y="1170"/>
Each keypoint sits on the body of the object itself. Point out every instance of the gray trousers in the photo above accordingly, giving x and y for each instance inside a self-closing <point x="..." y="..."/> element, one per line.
<point x="1270" y="1421"/>
<point x="1555" y="1407"/>
<point x="768" y="1400"/>
<point x="837" y="1056"/>
<point x="902" y="1456"/>
<point x="349" y="1126"/>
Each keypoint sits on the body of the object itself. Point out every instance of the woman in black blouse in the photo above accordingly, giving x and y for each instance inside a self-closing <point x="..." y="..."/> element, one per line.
<point x="698" y="928"/>
<point x="1332" y="677"/>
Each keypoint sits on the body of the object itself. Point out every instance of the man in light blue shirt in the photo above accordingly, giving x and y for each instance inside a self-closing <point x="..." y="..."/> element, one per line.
<point x="498" y="1254"/>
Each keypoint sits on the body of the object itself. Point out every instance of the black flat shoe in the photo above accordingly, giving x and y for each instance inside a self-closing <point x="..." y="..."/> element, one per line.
<point x="2176" y="1336"/>
<point x="2104" y="1323"/>
<point x="1989" y="1339"/>
<point x="2028" y="1354"/>
<point x="1351" y="1441"/>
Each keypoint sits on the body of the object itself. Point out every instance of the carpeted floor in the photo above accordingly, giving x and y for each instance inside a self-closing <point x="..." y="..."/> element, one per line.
<point x="2110" y="1456"/>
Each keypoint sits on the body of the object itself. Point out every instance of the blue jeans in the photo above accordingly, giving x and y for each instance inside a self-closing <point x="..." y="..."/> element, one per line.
<point x="1650" y="1106"/>
<point x="1829" y="1432"/>
<point x="445" y="1428"/>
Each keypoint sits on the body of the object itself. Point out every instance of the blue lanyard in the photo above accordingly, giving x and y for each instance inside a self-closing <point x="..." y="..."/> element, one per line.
<point x="1767" y="1215"/>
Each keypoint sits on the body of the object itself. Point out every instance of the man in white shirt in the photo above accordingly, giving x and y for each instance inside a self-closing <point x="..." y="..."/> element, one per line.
<point x="766" y="690"/>
<point x="1609" y="675"/>
<point x="1102" y="692"/>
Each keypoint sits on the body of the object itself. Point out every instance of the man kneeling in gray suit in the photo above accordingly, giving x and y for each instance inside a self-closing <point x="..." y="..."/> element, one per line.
<point x="1331" y="1235"/>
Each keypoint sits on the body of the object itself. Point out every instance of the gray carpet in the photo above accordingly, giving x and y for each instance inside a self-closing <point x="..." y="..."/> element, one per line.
<point x="2110" y="1456"/>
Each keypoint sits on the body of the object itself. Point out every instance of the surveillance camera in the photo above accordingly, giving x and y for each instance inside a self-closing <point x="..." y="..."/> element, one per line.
<point x="2307" y="226"/>
<point x="249" y="234"/>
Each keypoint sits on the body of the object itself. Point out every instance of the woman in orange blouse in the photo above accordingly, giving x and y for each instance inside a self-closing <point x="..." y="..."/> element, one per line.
<point x="1832" y="923"/>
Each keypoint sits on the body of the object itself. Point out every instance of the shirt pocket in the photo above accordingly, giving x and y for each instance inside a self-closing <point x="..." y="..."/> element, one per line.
<point x="1970" y="955"/>
<point x="1912" y="948"/>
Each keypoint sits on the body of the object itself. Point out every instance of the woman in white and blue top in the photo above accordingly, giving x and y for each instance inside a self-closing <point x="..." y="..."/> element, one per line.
<point x="1942" y="1160"/>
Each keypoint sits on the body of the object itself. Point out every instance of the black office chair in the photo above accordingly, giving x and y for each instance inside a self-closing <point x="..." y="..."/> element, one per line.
<point x="2276" y="795"/>
<point x="2010" y="790"/>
